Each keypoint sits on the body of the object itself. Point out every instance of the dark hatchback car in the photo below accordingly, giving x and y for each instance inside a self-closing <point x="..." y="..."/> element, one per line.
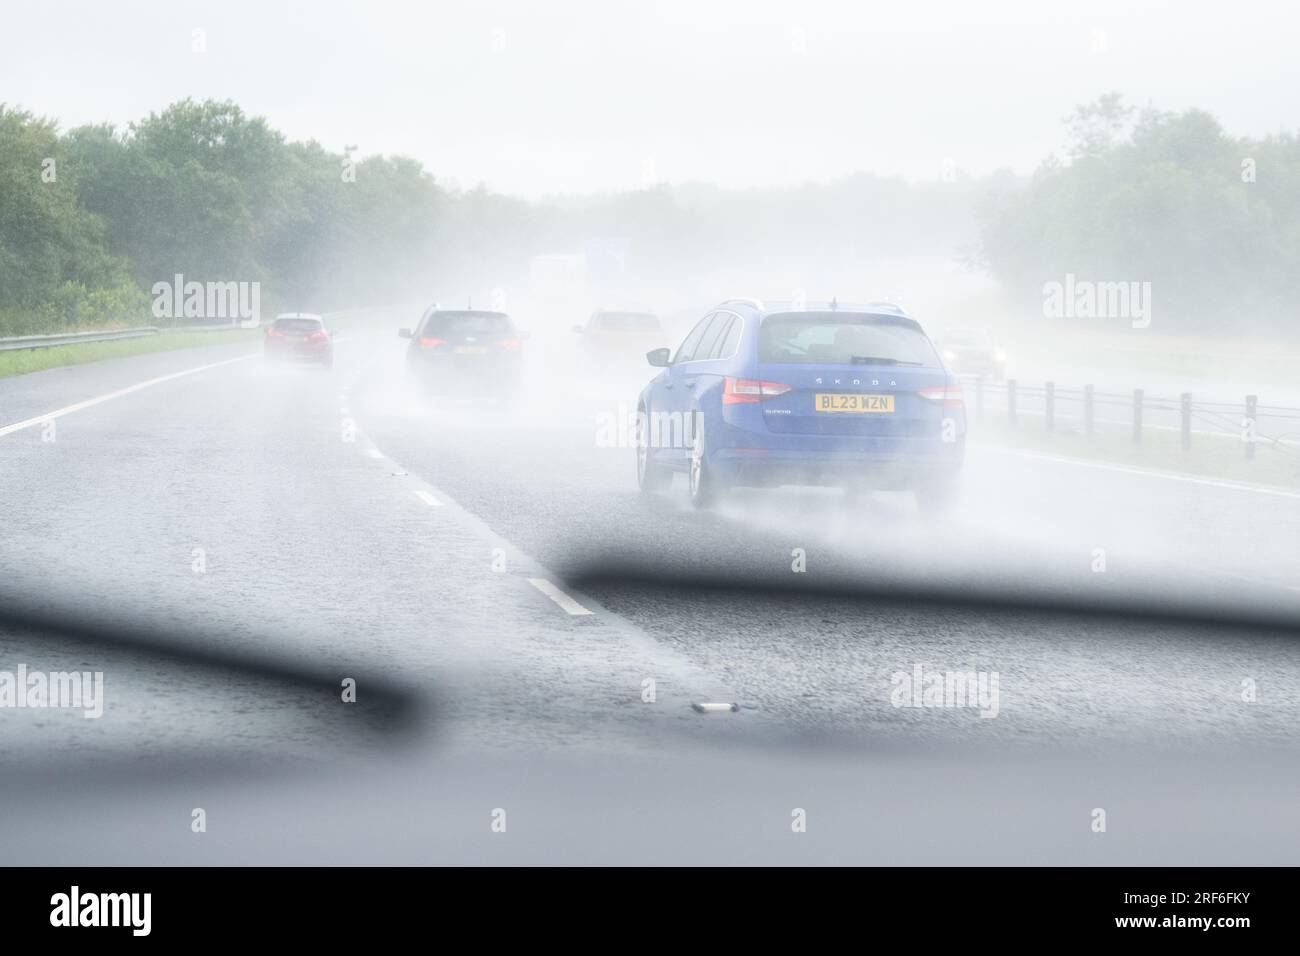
<point x="299" y="337"/>
<point x="465" y="350"/>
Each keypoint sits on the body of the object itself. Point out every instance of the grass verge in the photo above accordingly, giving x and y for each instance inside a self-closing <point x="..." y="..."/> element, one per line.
<point x="34" y="360"/>
<point x="1211" y="456"/>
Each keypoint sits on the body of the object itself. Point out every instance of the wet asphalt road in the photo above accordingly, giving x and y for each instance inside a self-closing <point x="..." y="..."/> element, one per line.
<point x="279" y="510"/>
<point x="947" y="593"/>
<point x="233" y="511"/>
<point x="337" y="522"/>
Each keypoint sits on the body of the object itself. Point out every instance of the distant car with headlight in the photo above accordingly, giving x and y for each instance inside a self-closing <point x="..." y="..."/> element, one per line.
<point x="611" y="335"/>
<point x="973" y="352"/>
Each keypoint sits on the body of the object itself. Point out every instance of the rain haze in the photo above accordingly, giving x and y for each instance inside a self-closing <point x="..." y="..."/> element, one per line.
<point x="586" y="97"/>
<point x="586" y="406"/>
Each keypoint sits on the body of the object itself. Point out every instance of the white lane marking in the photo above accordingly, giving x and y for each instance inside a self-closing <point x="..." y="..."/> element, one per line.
<point x="427" y="498"/>
<point x="1147" y="472"/>
<point x="706" y="708"/>
<point x="667" y="661"/>
<point x="374" y="453"/>
<point x="90" y="402"/>
<point x="558" y="596"/>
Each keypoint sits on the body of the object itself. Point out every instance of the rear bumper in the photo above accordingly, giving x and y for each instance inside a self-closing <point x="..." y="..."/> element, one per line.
<point x="747" y="452"/>
<point x="631" y="348"/>
<point x="465" y="372"/>
<point x="887" y="469"/>
<point x="299" y="353"/>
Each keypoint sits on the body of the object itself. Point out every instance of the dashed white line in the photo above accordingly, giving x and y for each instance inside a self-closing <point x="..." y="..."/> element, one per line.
<point x="685" y="673"/>
<point x="558" y="596"/>
<point x="427" y="498"/>
<point x="90" y="402"/>
<point x="710" y="708"/>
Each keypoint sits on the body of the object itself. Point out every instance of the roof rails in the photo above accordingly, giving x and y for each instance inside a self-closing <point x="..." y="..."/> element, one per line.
<point x="891" y="308"/>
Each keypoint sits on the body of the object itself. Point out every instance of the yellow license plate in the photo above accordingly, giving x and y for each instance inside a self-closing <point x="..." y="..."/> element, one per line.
<point x="471" y="350"/>
<point x="860" y="404"/>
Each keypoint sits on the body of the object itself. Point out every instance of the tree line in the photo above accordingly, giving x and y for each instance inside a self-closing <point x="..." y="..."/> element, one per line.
<point x="91" y="218"/>
<point x="1210" y="220"/>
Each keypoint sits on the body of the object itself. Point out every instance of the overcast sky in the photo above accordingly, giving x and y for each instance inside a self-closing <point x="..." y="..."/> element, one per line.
<point x="545" y="97"/>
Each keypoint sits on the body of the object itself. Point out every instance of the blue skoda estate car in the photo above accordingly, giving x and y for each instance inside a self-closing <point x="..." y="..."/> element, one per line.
<point x="854" y="396"/>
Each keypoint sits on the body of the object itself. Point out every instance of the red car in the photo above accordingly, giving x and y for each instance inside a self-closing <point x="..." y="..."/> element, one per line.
<point x="300" y="337"/>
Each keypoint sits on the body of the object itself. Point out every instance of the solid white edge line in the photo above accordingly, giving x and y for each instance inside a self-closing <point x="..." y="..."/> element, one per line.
<point x="1146" y="472"/>
<point x="91" y="402"/>
<point x="427" y="498"/>
<point x="558" y="596"/>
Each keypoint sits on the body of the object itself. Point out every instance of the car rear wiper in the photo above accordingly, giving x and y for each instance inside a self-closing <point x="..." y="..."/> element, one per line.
<point x="878" y="360"/>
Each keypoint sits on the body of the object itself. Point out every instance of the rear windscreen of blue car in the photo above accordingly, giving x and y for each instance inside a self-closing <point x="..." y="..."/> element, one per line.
<point x="838" y="338"/>
<point x="466" y="323"/>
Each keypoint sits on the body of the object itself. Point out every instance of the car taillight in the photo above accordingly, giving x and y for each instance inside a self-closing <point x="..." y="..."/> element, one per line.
<point x="317" y="337"/>
<point x="508" y="344"/>
<point x="947" y="394"/>
<point x="429" y="343"/>
<point x="741" y="391"/>
<point x="271" y="333"/>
